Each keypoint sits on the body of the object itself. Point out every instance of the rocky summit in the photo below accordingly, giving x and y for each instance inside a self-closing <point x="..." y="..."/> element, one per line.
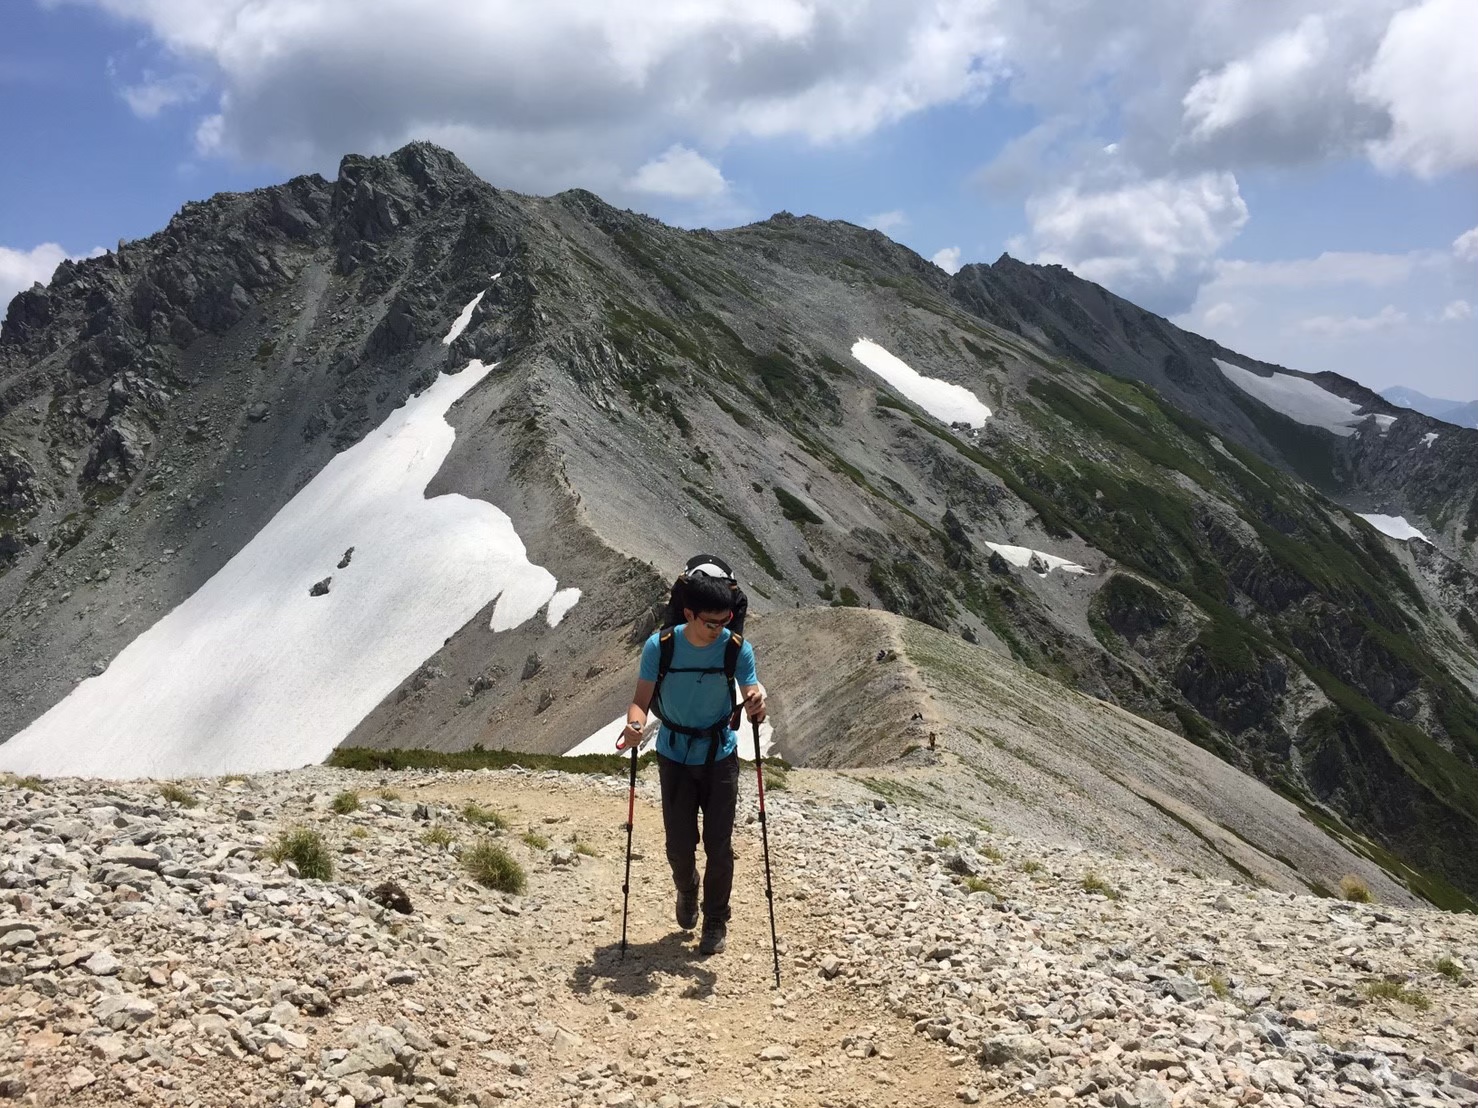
<point x="158" y="947"/>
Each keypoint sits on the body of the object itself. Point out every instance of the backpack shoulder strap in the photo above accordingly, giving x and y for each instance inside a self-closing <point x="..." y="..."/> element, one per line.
<point x="731" y="656"/>
<point x="665" y="647"/>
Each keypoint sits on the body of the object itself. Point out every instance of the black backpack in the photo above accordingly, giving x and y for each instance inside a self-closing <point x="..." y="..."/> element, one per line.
<point x="712" y="566"/>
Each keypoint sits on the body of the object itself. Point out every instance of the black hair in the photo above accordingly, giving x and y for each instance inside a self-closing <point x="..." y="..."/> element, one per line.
<point x="702" y="593"/>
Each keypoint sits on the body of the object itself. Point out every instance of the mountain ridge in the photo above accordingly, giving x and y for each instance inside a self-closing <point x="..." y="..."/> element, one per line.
<point x="648" y="396"/>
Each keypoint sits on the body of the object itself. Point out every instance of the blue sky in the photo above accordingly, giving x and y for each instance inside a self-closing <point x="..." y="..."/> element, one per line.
<point x="1293" y="180"/>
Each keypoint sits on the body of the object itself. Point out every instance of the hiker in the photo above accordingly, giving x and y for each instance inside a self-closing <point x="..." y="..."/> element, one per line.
<point x="697" y="746"/>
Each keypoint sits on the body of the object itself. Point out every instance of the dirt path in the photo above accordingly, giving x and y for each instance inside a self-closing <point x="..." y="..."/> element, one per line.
<point x="711" y="1029"/>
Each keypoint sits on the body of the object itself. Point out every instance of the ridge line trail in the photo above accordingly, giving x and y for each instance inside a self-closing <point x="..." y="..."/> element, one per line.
<point x="664" y="999"/>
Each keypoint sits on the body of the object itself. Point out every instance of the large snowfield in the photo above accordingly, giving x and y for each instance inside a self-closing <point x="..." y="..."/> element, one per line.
<point x="252" y="673"/>
<point x="945" y="402"/>
<point x="1301" y="400"/>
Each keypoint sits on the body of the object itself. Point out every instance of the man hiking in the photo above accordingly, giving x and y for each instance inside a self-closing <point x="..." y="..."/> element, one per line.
<point x="690" y="669"/>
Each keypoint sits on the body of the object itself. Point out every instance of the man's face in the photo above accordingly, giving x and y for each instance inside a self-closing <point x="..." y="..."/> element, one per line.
<point x="706" y="627"/>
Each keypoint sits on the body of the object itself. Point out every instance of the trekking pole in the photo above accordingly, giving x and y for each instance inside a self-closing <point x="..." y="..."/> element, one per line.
<point x="759" y="776"/>
<point x="630" y="823"/>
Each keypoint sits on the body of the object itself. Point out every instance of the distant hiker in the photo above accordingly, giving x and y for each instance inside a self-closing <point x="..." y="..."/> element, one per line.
<point x="687" y="676"/>
<point x="931" y="740"/>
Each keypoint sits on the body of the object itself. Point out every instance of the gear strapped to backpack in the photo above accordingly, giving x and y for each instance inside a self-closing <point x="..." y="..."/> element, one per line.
<point x="714" y="733"/>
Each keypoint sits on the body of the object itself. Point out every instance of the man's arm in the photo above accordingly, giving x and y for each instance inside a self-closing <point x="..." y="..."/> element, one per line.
<point x="636" y="714"/>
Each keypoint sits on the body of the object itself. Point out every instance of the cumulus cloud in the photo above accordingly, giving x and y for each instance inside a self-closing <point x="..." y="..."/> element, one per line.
<point x="1307" y="312"/>
<point x="1150" y="241"/>
<point x="1426" y="77"/>
<point x="1465" y="246"/>
<point x="20" y="269"/>
<point x="300" y="82"/>
<point x="1341" y="326"/>
<point x="947" y="259"/>
<point x="680" y="173"/>
<point x="1455" y="311"/>
<point x="154" y="94"/>
<point x="886" y="222"/>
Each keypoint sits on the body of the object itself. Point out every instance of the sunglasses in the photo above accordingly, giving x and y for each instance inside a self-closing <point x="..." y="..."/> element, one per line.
<point x="716" y="625"/>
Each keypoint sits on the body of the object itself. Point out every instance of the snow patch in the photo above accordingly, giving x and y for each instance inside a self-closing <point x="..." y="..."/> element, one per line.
<point x="604" y="740"/>
<point x="1300" y="399"/>
<point x="945" y="402"/>
<point x="1384" y="421"/>
<point x="460" y="323"/>
<point x="1429" y="438"/>
<point x="560" y="604"/>
<point x="1395" y="526"/>
<point x="1021" y="557"/>
<point x="251" y="673"/>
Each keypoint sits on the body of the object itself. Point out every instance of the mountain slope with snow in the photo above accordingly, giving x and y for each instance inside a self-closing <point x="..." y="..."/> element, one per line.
<point x="638" y="396"/>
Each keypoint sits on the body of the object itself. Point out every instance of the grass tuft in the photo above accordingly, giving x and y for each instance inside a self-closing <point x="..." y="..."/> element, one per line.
<point x="389" y="794"/>
<point x="1354" y="888"/>
<point x="490" y="865"/>
<point x="583" y="847"/>
<point x="536" y="840"/>
<point x="346" y="802"/>
<point x="1449" y="968"/>
<point x="436" y="836"/>
<point x="944" y="842"/>
<point x="1219" y="986"/>
<point x="473" y="812"/>
<point x="360" y="832"/>
<point x="1395" y="991"/>
<point x="178" y="794"/>
<point x="31" y="782"/>
<point x="1092" y="883"/>
<point x="978" y="885"/>
<point x="1031" y="865"/>
<point x="304" y="848"/>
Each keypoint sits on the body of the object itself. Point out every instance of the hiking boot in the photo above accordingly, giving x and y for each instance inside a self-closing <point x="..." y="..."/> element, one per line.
<point x="715" y="937"/>
<point x="687" y="908"/>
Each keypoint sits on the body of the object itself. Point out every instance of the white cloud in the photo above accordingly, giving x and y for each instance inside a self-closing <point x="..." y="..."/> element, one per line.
<point x="1303" y="313"/>
<point x="1456" y="310"/>
<point x="20" y="269"/>
<point x="947" y="259"/>
<point x="1259" y="83"/>
<point x="1333" y="267"/>
<point x="540" y="95"/>
<point x="1425" y="74"/>
<point x="153" y="94"/>
<point x="1221" y="314"/>
<point x="1341" y="326"/>
<point x="680" y="173"/>
<point x="1465" y="246"/>
<point x="886" y="222"/>
<point x="1149" y="241"/>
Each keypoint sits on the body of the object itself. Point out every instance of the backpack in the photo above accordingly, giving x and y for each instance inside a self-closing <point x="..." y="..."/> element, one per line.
<point x="711" y="566"/>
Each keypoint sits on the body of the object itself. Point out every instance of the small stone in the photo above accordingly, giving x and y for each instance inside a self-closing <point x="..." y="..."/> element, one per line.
<point x="102" y="964"/>
<point x="403" y="977"/>
<point x="14" y="940"/>
<point x="776" y="1052"/>
<point x="79" y="1078"/>
<point x="830" y="967"/>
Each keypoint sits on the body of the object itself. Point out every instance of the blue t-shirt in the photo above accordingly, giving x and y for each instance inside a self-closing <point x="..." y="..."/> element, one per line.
<point x="695" y="699"/>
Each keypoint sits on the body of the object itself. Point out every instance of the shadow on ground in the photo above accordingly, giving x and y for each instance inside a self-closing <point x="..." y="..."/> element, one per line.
<point x="636" y="974"/>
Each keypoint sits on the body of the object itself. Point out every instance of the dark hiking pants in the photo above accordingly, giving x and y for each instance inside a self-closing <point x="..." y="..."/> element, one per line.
<point x="714" y="791"/>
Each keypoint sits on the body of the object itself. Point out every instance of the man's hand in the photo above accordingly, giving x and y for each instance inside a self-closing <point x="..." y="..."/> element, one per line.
<point x="630" y="736"/>
<point x="754" y="704"/>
